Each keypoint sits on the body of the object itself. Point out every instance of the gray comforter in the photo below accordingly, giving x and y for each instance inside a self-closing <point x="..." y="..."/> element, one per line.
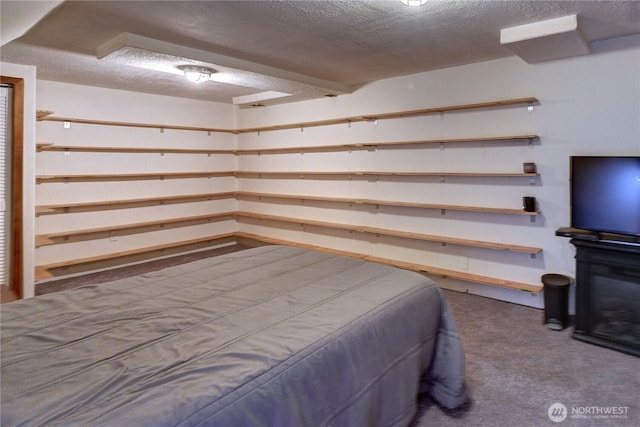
<point x="271" y="336"/>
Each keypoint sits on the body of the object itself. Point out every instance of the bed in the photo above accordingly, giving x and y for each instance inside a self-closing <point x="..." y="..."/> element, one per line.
<point x="269" y="336"/>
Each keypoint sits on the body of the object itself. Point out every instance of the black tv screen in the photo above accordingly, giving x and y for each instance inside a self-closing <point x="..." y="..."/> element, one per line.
<point x="605" y="194"/>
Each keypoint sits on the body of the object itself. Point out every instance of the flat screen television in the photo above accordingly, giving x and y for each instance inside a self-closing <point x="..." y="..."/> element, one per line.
<point x="605" y="194"/>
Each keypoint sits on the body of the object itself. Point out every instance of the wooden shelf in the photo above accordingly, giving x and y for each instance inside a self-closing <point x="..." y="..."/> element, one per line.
<point x="441" y="207"/>
<point x="394" y="115"/>
<point x="370" y="146"/>
<point x="47" y="116"/>
<point x="129" y="203"/>
<point x="43" y="147"/>
<point x="47" y="271"/>
<point x="119" y="230"/>
<point x="43" y="179"/>
<point x="126" y="229"/>
<point x="394" y="233"/>
<point x="125" y="150"/>
<point x="41" y="114"/>
<point x="303" y="174"/>
<point x="428" y="270"/>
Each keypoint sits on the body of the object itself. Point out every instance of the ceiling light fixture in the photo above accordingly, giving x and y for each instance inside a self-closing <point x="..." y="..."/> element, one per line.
<point x="414" y="2"/>
<point x="196" y="74"/>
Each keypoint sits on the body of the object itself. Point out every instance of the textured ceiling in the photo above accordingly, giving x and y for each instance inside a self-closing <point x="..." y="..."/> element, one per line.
<point x="307" y="48"/>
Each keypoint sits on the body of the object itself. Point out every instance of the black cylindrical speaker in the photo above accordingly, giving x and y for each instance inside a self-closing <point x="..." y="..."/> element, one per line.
<point x="529" y="204"/>
<point x="556" y="301"/>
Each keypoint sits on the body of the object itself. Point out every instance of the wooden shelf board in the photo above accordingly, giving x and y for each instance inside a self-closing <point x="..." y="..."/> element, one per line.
<point x="41" y="147"/>
<point x="388" y="174"/>
<point x="248" y="194"/>
<point x="42" y="179"/>
<point x="45" y="271"/>
<point x="380" y="145"/>
<point x="159" y="150"/>
<point x="50" y="118"/>
<point x="394" y="115"/>
<point x="395" y="233"/>
<point x="46" y="116"/>
<point x="40" y="114"/>
<point x="129" y="203"/>
<point x="152" y="201"/>
<point x="468" y="277"/>
<point x="53" y="238"/>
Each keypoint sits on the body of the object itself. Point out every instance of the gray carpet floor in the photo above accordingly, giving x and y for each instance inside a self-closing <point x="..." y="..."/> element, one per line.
<point x="516" y="367"/>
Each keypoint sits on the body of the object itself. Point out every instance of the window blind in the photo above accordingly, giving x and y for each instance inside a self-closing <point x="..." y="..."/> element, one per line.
<point x="5" y="168"/>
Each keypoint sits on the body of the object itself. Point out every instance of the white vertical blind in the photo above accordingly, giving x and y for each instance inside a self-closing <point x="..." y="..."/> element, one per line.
<point x="5" y="144"/>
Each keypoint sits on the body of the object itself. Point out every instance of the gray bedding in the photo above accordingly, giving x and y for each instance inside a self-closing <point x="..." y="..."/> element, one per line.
<point x="271" y="336"/>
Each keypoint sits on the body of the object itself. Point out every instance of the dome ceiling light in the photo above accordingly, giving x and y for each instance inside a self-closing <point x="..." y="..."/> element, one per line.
<point x="196" y="74"/>
<point x="414" y="2"/>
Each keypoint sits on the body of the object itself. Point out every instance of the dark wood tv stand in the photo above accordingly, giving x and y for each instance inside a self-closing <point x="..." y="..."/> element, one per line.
<point x="608" y="294"/>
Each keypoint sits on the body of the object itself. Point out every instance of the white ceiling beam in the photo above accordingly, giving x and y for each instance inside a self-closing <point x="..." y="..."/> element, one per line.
<point x="546" y="40"/>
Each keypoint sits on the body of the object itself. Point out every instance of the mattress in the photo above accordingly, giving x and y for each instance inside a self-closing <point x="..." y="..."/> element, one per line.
<point x="270" y="336"/>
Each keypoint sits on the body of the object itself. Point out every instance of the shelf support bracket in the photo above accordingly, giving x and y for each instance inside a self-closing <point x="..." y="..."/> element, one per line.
<point x="532" y="218"/>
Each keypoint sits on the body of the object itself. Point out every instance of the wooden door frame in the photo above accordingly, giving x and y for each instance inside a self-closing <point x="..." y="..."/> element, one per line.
<point x="17" y="181"/>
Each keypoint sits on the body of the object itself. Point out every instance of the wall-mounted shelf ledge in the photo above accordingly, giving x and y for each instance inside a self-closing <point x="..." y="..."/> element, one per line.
<point x="373" y="202"/>
<point x="393" y="233"/>
<point x="369" y="146"/>
<point x="126" y="229"/>
<point x="382" y="174"/>
<point x="43" y="179"/>
<point x="129" y="203"/>
<point x="158" y="201"/>
<point x="394" y="115"/>
<point x="50" y="270"/>
<point x="47" y="116"/>
<point x="425" y="269"/>
<point x="41" y="147"/>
